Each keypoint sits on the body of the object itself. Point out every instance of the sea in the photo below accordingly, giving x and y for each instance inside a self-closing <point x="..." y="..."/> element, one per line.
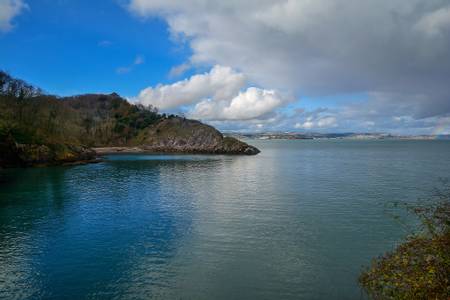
<point x="300" y="220"/>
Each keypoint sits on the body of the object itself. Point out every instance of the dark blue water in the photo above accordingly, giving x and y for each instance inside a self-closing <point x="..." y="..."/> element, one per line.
<point x="297" y="221"/>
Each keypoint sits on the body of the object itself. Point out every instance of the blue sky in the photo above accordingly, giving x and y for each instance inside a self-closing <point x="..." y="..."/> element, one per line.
<point x="275" y="65"/>
<point x="72" y="47"/>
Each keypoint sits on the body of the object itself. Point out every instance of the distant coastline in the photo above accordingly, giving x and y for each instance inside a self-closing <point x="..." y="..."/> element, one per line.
<point x="346" y="136"/>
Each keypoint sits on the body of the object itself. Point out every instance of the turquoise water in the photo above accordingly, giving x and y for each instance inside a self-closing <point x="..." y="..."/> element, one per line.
<point x="297" y="221"/>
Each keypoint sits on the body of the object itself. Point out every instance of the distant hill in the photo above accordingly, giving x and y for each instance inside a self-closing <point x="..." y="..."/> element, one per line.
<point x="40" y="129"/>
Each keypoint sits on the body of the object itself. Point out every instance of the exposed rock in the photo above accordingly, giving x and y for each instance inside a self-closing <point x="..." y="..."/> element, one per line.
<point x="25" y="155"/>
<point x="190" y="136"/>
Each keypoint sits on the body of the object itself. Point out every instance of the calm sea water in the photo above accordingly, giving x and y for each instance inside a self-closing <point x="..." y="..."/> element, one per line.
<point x="297" y="221"/>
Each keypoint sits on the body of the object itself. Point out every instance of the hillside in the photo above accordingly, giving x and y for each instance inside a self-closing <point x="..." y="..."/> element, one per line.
<point x="40" y="129"/>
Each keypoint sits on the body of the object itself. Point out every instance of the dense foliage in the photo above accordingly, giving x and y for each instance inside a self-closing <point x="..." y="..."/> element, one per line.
<point x="40" y="129"/>
<point x="420" y="267"/>
<point x="30" y="117"/>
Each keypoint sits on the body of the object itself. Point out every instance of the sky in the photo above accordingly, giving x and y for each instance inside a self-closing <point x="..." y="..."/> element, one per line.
<point x="254" y="65"/>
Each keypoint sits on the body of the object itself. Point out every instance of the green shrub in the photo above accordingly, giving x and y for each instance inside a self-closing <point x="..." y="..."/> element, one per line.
<point x="420" y="267"/>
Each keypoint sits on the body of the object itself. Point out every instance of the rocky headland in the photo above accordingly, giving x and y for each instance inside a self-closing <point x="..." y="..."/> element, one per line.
<point x="38" y="129"/>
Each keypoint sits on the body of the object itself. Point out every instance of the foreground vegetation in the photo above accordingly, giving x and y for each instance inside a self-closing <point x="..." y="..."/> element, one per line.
<point x="420" y="267"/>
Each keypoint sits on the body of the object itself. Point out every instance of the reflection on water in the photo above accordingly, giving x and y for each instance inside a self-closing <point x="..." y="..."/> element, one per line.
<point x="297" y="221"/>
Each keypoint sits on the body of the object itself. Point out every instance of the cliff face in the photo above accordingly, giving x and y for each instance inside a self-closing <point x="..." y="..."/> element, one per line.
<point x="190" y="136"/>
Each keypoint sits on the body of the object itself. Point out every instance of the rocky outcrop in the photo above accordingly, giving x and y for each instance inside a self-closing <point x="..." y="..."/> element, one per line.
<point x="230" y="145"/>
<point x="13" y="154"/>
<point x="54" y="154"/>
<point x="180" y="135"/>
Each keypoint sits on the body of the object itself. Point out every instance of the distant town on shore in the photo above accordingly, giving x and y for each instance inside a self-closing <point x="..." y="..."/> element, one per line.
<point x="348" y="135"/>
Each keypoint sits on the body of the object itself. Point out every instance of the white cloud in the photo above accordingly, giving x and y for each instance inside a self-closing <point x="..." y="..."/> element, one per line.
<point x="327" y="122"/>
<point x="139" y="60"/>
<point x="435" y="22"/>
<point x="9" y="9"/>
<point x="380" y="112"/>
<point x="305" y="125"/>
<point x="219" y="94"/>
<point x="251" y="104"/>
<point x="221" y="83"/>
<point x="179" y="70"/>
<point x="321" y="122"/>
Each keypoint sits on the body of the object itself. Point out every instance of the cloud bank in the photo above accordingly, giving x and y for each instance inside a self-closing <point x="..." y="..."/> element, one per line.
<point x="395" y="48"/>
<point x="214" y="95"/>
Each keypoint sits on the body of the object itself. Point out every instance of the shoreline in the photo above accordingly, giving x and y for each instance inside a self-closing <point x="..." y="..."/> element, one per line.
<point x="118" y="150"/>
<point x="160" y="151"/>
